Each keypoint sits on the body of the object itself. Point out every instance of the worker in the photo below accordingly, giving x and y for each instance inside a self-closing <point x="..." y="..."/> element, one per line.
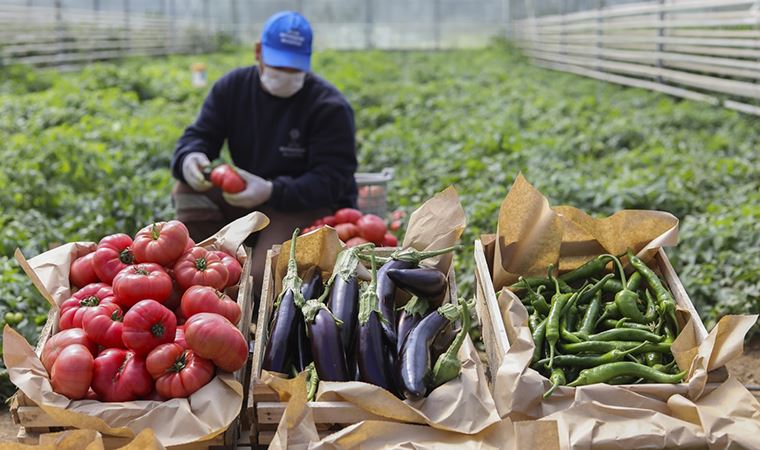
<point x="290" y="134"/>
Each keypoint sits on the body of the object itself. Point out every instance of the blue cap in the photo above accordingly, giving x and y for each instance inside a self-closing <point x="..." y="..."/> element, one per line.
<point x="286" y="41"/>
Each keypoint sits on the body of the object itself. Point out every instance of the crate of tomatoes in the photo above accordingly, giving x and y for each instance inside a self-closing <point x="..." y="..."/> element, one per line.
<point x="150" y="331"/>
<point x="356" y="228"/>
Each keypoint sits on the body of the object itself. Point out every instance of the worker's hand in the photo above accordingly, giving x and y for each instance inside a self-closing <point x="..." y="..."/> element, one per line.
<point x="257" y="191"/>
<point x="192" y="170"/>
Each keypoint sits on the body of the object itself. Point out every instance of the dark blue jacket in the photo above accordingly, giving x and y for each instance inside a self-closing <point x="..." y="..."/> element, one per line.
<point x="304" y="144"/>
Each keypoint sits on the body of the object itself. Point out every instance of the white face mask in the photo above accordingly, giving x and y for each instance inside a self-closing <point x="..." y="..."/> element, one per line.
<point x="281" y="83"/>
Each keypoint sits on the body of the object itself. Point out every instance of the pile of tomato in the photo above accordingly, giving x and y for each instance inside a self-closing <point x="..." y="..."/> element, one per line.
<point x="148" y="319"/>
<point x="355" y="228"/>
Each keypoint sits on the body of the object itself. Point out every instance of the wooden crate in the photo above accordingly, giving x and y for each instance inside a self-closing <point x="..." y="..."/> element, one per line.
<point x="487" y="304"/>
<point x="264" y="407"/>
<point x="33" y="420"/>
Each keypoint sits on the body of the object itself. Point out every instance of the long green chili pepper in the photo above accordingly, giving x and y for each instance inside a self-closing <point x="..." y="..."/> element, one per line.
<point x="625" y="334"/>
<point x="605" y="372"/>
<point x="633" y="282"/>
<point x="592" y="313"/>
<point x="535" y="282"/>
<point x="539" y="333"/>
<point x="535" y="299"/>
<point x="652" y="358"/>
<point x="625" y="323"/>
<point x="606" y="346"/>
<point x="588" y="269"/>
<point x="448" y="366"/>
<point x="592" y="361"/>
<point x="565" y="333"/>
<point x="627" y="300"/>
<point x="571" y="318"/>
<point x="557" y="379"/>
<point x="666" y="302"/>
<point x="559" y="300"/>
<point x="596" y="287"/>
<point x="667" y="368"/>
<point x="651" y="314"/>
<point x="622" y="380"/>
<point x="610" y="310"/>
<point x="612" y="286"/>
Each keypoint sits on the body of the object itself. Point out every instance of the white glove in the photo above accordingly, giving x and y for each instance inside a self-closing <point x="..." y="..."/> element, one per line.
<point x="192" y="170"/>
<point x="257" y="191"/>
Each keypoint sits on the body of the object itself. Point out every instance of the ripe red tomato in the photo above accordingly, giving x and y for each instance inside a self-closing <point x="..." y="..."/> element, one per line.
<point x="234" y="269"/>
<point x="179" y="337"/>
<point x="90" y="296"/>
<point x="71" y="374"/>
<point x="213" y="337"/>
<point x="318" y="223"/>
<point x="178" y="372"/>
<point x="147" y="325"/>
<point x="347" y="215"/>
<point x="346" y="231"/>
<point x="120" y="376"/>
<point x="398" y="214"/>
<point x="395" y="225"/>
<point x="354" y="241"/>
<point x="173" y="301"/>
<point x="82" y="271"/>
<point x="140" y="282"/>
<point x="113" y="254"/>
<point x="390" y="240"/>
<point x="61" y="340"/>
<point x="104" y="325"/>
<point x="200" y="299"/>
<point x="329" y="221"/>
<point x="161" y="243"/>
<point x="372" y="228"/>
<point x="201" y="267"/>
<point x="226" y="177"/>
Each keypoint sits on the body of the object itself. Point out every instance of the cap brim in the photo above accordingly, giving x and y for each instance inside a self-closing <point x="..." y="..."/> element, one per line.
<point x="279" y="58"/>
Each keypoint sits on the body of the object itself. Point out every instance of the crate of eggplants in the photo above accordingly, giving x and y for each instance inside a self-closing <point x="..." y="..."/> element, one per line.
<point x="590" y="326"/>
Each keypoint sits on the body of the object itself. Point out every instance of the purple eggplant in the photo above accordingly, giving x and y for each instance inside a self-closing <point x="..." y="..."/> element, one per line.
<point x="414" y="365"/>
<point x="283" y="329"/>
<point x="310" y="289"/>
<point x="411" y="314"/>
<point x="326" y="344"/>
<point x="444" y="340"/>
<point x="312" y="286"/>
<point x="447" y="366"/>
<point x="425" y="282"/>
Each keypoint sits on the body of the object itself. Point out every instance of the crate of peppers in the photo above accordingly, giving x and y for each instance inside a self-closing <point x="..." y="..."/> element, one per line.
<point x="587" y="324"/>
<point x="377" y="333"/>
<point x="142" y="333"/>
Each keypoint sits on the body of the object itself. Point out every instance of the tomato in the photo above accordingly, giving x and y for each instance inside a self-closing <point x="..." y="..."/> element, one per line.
<point x="354" y="241"/>
<point x="226" y="177"/>
<point x="390" y="240"/>
<point x="140" y="282"/>
<point x="347" y="215"/>
<point x="147" y="325"/>
<point x="398" y="214"/>
<point x="234" y="269"/>
<point x="82" y="271"/>
<point x="200" y="299"/>
<point x="61" y="340"/>
<point x="329" y="221"/>
<point x="161" y="243"/>
<point x="71" y="374"/>
<point x="179" y="336"/>
<point x="120" y="376"/>
<point x="178" y="371"/>
<point x="113" y="254"/>
<point x="202" y="267"/>
<point x="190" y="244"/>
<point x="90" y="296"/>
<point x="104" y="325"/>
<point x="318" y="222"/>
<point x="213" y="337"/>
<point x="346" y="231"/>
<point x="173" y="301"/>
<point x="372" y="228"/>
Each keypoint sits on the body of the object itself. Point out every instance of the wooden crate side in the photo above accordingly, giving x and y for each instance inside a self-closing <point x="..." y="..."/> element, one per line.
<point x="494" y="332"/>
<point x="679" y="293"/>
<point x="324" y="412"/>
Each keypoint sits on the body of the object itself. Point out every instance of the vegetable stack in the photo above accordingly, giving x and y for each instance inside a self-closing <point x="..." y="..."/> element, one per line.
<point x="591" y="327"/>
<point x="352" y="330"/>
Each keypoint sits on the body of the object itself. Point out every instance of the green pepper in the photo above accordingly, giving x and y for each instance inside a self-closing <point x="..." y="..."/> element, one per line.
<point x="559" y="300"/>
<point x="448" y="366"/>
<point x="592" y="313"/>
<point x="625" y="334"/>
<point x="651" y="314"/>
<point x="627" y="300"/>
<point x="653" y="358"/>
<point x="535" y="282"/>
<point x="666" y="302"/>
<point x="557" y="379"/>
<point x="624" y="323"/>
<point x="610" y="310"/>
<point x="588" y="269"/>
<point x="605" y="372"/>
<point x="606" y="346"/>
<point x="535" y="299"/>
<point x="592" y="361"/>
<point x="598" y="286"/>
<point x="539" y="333"/>
<point x="633" y="281"/>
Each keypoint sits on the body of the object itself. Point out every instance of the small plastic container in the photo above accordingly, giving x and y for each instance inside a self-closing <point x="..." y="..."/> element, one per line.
<point x="372" y="191"/>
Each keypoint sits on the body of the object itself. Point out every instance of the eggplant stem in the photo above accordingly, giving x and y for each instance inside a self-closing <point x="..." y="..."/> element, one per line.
<point x="368" y="301"/>
<point x="292" y="281"/>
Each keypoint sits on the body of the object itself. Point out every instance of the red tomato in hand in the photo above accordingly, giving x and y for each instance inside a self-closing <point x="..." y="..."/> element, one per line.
<point x="200" y="267"/>
<point x="147" y="325"/>
<point x="234" y="269"/>
<point x="329" y="221"/>
<point x="104" y="324"/>
<point x="161" y="243"/>
<point x="178" y="372"/>
<point x="90" y="296"/>
<point x="354" y="241"/>
<point x="179" y="336"/>
<point x="61" y="340"/>
<point x="390" y="240"/>
<point x="346" y="231"/>
<point x="347" y="215"/>
<point x="372" y="228"/>
<point x="71" y="374"/>
<point x="140" y="282"/>
<point x="227" y="179"/>
<point x="82" y="271"/>
<point x="120" y="376"/>
<point x="200" y="299"/>
<point x="112" y="256"/>
<point x="213" y="337"/>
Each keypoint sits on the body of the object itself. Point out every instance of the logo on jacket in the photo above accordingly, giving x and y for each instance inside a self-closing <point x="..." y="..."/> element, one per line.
<point x="294" y="149"/>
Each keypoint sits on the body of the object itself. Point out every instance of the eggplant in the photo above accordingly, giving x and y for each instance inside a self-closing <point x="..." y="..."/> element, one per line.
<point x="423" y="282"/>
<point x="371" y="353"/>
<point x="313" y="287"/>
<point x="414" y="365"/>
<point x="411" y="314"/>
<point x="283" y="329"/>
<point x="326" y="344"/>
<point x="447" y="366"/>
<point x="310" y="289"/>
<point x="443" y="340"/>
